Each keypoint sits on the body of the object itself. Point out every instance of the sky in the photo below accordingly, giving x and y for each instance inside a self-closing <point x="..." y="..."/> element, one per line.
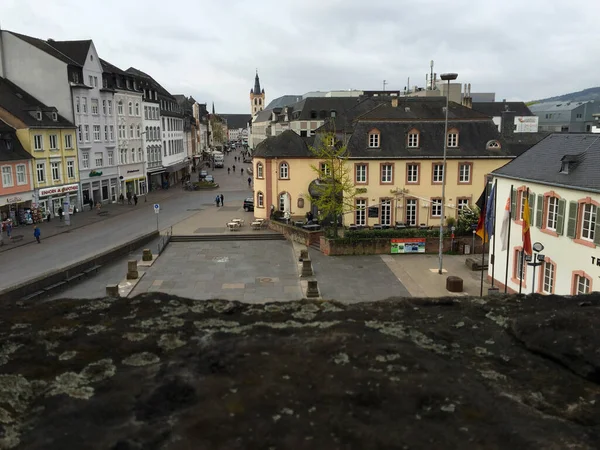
<point x="519" y="49"/>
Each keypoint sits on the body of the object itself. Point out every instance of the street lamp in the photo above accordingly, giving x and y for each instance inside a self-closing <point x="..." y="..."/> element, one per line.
<point x="446" y="77"/>
<point x="535" y="260"/>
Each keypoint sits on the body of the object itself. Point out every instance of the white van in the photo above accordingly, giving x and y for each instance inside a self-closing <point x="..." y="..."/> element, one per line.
<point x="219" y="159"/>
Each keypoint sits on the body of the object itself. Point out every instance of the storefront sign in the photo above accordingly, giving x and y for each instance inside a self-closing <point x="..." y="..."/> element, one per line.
<point x="595" y="261"/>
<point x="14" y="200"/>
<point x="133" y="171"/>
<point x="95" y="173"/>
<point x="59" y="190"/>
<point x="408" y="245"/>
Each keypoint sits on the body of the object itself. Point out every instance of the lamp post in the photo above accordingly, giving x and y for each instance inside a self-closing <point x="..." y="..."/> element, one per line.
<point x="446" y="77"/>
<point x="535" y="260"/>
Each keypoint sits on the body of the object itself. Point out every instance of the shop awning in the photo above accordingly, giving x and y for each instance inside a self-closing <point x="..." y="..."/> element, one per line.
<point x="157" y="171"/>
<point x="178" y="166"/>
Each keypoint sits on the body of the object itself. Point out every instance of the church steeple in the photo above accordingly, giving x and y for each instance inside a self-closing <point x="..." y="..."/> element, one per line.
<point x="213" y="108"/>
<point x="257" y="96"/>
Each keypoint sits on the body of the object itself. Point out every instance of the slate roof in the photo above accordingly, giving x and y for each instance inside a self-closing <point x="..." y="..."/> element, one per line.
<point x="287" y="145"/>
<point x="338" y="104"/>
<point x="542" y="162"/>
<point x="495" y="109"/>
<point x="284" y="100"/>
<point x="473" y="139"/>
<point x="46" y="47"/>
<point x="155" y="84"/>
<point x="521" y="142"/>
<point x="344" y="122"/>
<point x="422" y="108"/>
<point x="19" y="103"/>
<point x="111" y="68"/>
<point x="256" y="85"/>
<point x="237" y="120"/>
<point x="17" y="153"/>
<point x="76" y="50"/>
<point x="556" y="106"/>
<point x="263" y="116"/>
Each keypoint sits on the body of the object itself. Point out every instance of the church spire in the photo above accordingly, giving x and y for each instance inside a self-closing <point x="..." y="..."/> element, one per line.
<point x="256" y="84"/>
<point x="213" y="107"/>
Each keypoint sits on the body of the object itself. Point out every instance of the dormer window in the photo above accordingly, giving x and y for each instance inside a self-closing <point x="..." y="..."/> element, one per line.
<point x="493" y="145"/>
<point x="55" y="117"/>
<point x="374" y="140"/>
<point x="452" y="138"/>
<point x="38" y="115"/>
<point x="333" y="113"/>
<point x="564" y="167"/>
<point x="313" y="114"/>
<point x="413" y="138"/>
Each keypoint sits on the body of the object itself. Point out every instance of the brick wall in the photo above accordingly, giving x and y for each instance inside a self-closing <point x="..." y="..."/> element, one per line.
<point x="296" y="234"/>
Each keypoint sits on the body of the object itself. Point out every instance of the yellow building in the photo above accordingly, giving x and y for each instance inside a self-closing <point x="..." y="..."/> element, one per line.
<point x="395" y="150"/>
<point x="51" y="140"/>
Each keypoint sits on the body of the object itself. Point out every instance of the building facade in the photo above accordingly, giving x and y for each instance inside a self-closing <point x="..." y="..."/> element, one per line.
<point x="394" y="161"/>
<point x="50" y="139"/>
<point x="16" y="184"/>
<point x="560" y="174"/>
<point x="566" y="116"/>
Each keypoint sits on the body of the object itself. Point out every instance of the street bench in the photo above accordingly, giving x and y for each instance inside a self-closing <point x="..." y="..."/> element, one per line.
<point x="75" y="277"/>
<point x="92" y="269"/>
<point x="55" y="286"/>
<point x="33" y="296"/>
<point x="17" y="238"/>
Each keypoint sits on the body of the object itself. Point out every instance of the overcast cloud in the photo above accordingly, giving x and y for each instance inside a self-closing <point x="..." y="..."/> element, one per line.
<point x="520" y="49"/>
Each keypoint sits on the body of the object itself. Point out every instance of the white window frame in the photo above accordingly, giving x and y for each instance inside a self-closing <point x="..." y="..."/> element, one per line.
<point x="133" y="155"/>
<point x="21" y="171"/>
<point x="68" y="141"/>
<point x="123" y="156"/>
<point x="464" y="173"/>
<point x="77" y="105"/>
<point x="104" y="107"/>
<point x="413" y="140"/>
<point x="55" y="171"/>
<point x="85" y="160"/>
<point x="387" y="173"/>
<point x="325" y="169"/>
<point x="452" y="140"/>
<point x="7" y="176"/>
<point x="412" y="173"/>
<point x="70" y="168"/>
<point x="109" y="107"/>
<point x="38" y="143"/>
<point x="140" y="155"/>
<point x="361" y="173"/>
<point x="86" y="133"/>
<point x="130" y="131"/>
<point x="582" y="288"/>
<point x="99" y="159"/>
<point x="84" y="104"/>
<point x="551" y="213"/>
<point x="97" y="133"/>
<point x="130" y="108"/>
<point x="462" y="203"/>
<point x="436" y="207"/>
<point x="260" y="199"/>
<point x="120" y="108"/>
<point x="438" y="173"/>
<point x="411" y="205"/>
<point x="360" y="218"/>
<point x="589" y="217"/>
<point x="40" y="169"/>
<point x="111" y="158"/>
<point x="284" y="171"/>
<point x="385" y="216"/>
<point x="94" y="106"/>
<point x="374" y="140"/>
<point x="138" y="131"/>
<point x="548" y="277"/>
<point x="137" y="109"/>
<point x="112" y="132"/>
<point x="259" y="170"/>
<point x="53" y="138"/>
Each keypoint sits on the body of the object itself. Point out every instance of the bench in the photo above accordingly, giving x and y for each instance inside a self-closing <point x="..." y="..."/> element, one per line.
<point x="92" y="269"/>
<point x="33" y="296"/>
<point x="75" y="277"/>
<point x="54" y="286"/>
<point x="17" y="238"/>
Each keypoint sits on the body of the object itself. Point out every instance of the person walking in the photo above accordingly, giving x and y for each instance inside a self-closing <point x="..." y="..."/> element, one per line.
<point x="249" y="181"/>
<point x="135" y="199"/>
<point x="37" y="233"/>
<point x="60" y="214"/>
<point x="242" y="171"/>
<point x="228" y="170"/>
<point x="222" y="200"/>
<point x="233" y="167"/>
<point x="218" y="200"/>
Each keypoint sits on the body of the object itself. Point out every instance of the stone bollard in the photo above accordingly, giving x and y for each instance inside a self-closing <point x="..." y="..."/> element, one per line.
<point x="132" y="272"/>
<point x="307" y="270"/>
<point x="312" y="291"/>
<point x="454" y="284"/>
<point x="112" y="290"/>
<point x="147" y="255"/>
<point x="303" y="254"/>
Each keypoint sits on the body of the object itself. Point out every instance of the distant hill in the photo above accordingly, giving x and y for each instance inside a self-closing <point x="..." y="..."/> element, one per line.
<point x="586" y="94"/>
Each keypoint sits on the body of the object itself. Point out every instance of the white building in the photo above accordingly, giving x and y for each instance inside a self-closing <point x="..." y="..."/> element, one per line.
<point x="68" y="74"/>
<point x="561" y="173"/>
<point x="130" y="151"/>
<point x="236" y="124"/>
<point x="152" y="136"/>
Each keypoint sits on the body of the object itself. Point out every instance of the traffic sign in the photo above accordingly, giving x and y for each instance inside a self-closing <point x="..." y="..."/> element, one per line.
<point x="156" y="208"/>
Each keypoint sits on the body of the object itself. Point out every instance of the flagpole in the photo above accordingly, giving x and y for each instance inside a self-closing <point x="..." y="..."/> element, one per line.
<point x="522" y="268"/>
<point x="483" y="242"/>
<point x="508" y="243"/>
<point x="493" y="261"/>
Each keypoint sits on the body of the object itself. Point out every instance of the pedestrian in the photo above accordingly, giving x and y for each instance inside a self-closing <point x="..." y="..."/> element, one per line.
<point x="122" y="199"/>
<point x="135" y="199"/>
<point x="218" y="200"/>
<point x="129" y="198"/>
<point x="233" y="167"/>
<point x="60" y="214"/>
<point x="249" y="181"/>
<point x="242" y="171"/>
<point x="8" y="228"/>
<point x="37" y="233"/>
<point x="228" y="170"/>
<point x="222" y="200"/>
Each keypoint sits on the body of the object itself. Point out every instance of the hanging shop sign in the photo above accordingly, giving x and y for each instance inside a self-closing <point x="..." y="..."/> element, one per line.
<point x="59" y="190"/>
<point x="14" y="200"/>
<point x="95" y="173"/>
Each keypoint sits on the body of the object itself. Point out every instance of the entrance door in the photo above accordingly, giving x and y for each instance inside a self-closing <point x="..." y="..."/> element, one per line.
<point x="113" y="194"/>
<point x="386" y="212"/>
<point x="411" y="212"/>
<point x="104" y="192"/>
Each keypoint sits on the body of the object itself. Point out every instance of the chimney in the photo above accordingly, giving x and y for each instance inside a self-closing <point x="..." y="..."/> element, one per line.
<point x="507" y="126"/>
<point x="467" y="100"/>
<point x="394" y="102"/>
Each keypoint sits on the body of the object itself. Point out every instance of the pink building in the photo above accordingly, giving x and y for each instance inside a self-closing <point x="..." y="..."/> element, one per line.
<point x="16" y="183"/>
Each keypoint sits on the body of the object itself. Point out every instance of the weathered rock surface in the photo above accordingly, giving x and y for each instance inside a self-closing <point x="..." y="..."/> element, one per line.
<point x="159" y="372"/>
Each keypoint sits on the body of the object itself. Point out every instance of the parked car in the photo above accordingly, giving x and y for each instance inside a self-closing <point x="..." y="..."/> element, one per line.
<point x="209" y="179"/>
<point x="249" y="204"/>
<point x="203" y="174"/>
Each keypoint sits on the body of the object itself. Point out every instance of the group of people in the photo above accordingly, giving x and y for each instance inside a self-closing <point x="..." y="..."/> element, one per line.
<point x="130" y="197"/>
<point x="220" y="200"/>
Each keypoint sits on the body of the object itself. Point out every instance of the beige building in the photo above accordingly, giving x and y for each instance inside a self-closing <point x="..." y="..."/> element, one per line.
<point x="395" y="149"/>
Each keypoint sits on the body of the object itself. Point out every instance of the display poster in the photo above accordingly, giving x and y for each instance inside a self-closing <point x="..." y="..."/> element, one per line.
<point x="408" y="245"/>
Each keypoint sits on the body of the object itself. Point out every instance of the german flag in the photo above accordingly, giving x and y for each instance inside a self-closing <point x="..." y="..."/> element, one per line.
<point x="526" y="225"/>
<point x="481" y="204"/>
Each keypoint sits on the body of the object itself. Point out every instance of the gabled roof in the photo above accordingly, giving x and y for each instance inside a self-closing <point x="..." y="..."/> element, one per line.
<point x="319" y="105"/>
<point x="542" y="162"/>
<point x="236" y="120"/>
<point x="21" y="105"/>
<point x="76" y="50"/>
<point x="287" y="145"/>
<point x="111" y="68"/>
<point x="521" y="142"/>
<point x="495" y="109"/>
<point x="155" y="84"/>
<point x="17" y="152"/>
<point x="344" y="122"/>
<point x="46" y="47"/>
<point x="422" y="108"/>
<point x="263" y="116"/>
<point x="557" y="106"/>
<point x="473" y="139"/>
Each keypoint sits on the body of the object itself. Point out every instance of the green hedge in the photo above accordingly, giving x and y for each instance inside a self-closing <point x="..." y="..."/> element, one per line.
<point x="361" y="235"/>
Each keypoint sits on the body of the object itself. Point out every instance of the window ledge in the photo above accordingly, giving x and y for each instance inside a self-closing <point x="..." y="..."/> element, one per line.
<point x="517" y="282"/>
<point x="589" y="244"/>
<point x="549" y="232"/>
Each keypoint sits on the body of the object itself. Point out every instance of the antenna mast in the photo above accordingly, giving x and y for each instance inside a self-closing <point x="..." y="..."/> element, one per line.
<point x="431" y="76"/>
<point x="384" y="84"/>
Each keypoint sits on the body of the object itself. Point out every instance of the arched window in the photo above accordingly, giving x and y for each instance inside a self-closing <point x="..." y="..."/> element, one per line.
<point x="260" y="200"/>
<point x="137" y="109"/>
<point x="130" y="131"/>
<point x="120" y="107"/>
<point x="130" y="109"/>
<point x="259" y="170"/>
<point x="138" y="132"/>
<point x="259" y="101"/>
<point x="284" y="202"/>
<point x="148" y="137"/>
<point x="493" y="145"/>
<point x="284" y="171"/>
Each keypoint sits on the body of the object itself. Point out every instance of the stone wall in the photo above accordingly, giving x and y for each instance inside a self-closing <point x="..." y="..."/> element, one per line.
<point x="296" y="234"/>
<point x="382" y="246"/>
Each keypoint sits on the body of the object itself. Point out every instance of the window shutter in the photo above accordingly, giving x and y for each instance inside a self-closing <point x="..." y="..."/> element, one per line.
<point x="597" y="231"/>
<point x="560" y="219"/>
<point x="572" y="223"/>
<point x="531" y="206"/>
<point x="513" y="205"/>
<point x="539" y="211"/>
